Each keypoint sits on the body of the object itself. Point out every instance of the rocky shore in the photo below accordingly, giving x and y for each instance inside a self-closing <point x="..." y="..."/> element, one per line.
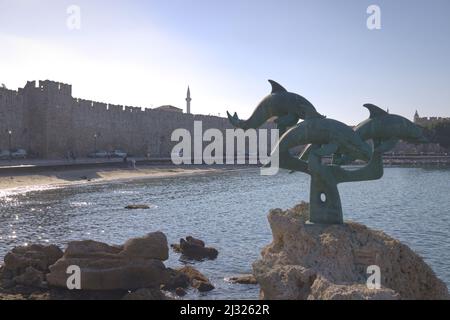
<point x="307" y="261"/>
<point x="304" y="261"/>
<point x="132" y="271"/>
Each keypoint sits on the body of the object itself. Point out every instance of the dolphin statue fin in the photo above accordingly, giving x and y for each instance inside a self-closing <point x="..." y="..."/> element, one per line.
<point x="375" y="111"/>
<point x="276" y="87"/>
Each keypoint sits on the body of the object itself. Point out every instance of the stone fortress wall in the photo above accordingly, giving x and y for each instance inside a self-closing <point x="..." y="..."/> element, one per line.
<point x="48" y="122"/>
<point x="427" y="121"/>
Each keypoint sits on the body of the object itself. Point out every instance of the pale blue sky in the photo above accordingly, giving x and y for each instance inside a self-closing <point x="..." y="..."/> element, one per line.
<point x="145" y="53"/>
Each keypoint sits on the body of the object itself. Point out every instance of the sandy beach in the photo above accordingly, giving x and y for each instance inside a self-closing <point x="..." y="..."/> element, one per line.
<point x="45" y="178"/>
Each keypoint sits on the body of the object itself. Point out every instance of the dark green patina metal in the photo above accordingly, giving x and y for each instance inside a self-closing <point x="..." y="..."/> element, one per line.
<point x="328" y="137"/>
<point x="286" y="106"/>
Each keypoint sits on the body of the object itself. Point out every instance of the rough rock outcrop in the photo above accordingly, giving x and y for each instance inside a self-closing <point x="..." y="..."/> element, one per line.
<point x="152" y="246"/>
<point x="194" y="249"/>
<point x="176" y="280"/>
<point x="196" y="278"/>
<point x="27" y="265"/>
<point x="37" y="256"/>
<point x="135" y="265"/>
<point x="307" y="261"/>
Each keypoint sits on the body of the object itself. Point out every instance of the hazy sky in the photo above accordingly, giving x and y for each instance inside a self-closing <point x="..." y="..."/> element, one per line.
<point x="146" y="53"/>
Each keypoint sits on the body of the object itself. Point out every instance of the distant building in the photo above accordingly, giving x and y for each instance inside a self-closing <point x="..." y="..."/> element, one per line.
<point x="169" y="108"/>
<point x="426" y="121"/>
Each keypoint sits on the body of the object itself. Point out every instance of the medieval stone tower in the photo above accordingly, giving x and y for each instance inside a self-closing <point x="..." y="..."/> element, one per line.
<point x="188" y="101"/>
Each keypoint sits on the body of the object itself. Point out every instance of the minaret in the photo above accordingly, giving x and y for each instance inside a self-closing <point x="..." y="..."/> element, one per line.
<point x="188" y="101"/>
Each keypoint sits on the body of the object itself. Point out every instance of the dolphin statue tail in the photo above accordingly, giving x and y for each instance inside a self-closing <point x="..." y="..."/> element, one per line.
<point x="263" y="112"/>
<point x="234" y="120"/>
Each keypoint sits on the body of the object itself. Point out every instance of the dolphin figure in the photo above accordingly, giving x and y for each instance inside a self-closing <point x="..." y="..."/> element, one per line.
<point x="286" y="106"/>
<point x="384" y="127"/>
<point x="333" y="136"/>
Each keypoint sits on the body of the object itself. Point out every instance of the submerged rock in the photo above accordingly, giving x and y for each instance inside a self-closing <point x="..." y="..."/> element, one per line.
<point x="176" y="280"/>
<point x="195" y="241"/>
<point x="196" y="278"/>
<point x="180" y="292"/>
<point x="137" y="206"/>
<point x="194" y="249"/>
<point x="309" y="261"/>
<point x="243" y="279"/>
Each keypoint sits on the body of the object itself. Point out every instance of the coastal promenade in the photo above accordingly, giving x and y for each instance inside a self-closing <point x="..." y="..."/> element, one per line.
<point x="37" y="165"/>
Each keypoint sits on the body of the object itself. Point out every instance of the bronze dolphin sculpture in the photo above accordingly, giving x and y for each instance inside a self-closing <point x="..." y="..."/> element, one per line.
<point x="286" y="106"/>
<point x="333" y="136"/>
<point x="381" y="126"/>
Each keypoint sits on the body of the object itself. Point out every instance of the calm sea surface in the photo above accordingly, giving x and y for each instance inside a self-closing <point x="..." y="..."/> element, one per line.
<point x="228" y="210"/>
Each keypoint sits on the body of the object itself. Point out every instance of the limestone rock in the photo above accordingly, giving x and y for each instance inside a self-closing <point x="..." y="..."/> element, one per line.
<point x="137" y="264"/>
<point x="202" y="286"/>
<point x="306" y="261"/>
<point x="7" y="296"/>
<point x="30" y="278"/>
<point x="243" y="279"/>
<point x="197" y="279"/>
<point x="176" y="279"/>
<point x="37" y="256"/>
<point x="194" y="249"/>
<point x="152" y="246"/>
<point x="109" y="274"/>
<point x="195" y="241"/>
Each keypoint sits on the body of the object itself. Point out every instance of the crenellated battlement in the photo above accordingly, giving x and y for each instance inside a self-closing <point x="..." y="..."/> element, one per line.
<point x="433" y="119"/>
<point x="424" y="121"/>
<point x="55" y="87"/>
<point x="10" y="97"/>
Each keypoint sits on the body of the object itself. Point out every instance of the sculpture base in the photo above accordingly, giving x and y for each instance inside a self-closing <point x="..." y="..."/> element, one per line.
<point x="325" y="202"/>
<point x="332" y="262"/>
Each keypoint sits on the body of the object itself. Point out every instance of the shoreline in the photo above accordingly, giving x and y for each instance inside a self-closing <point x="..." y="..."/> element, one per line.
<point x="42" y="178"/>
<point x="14" y="183"/>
